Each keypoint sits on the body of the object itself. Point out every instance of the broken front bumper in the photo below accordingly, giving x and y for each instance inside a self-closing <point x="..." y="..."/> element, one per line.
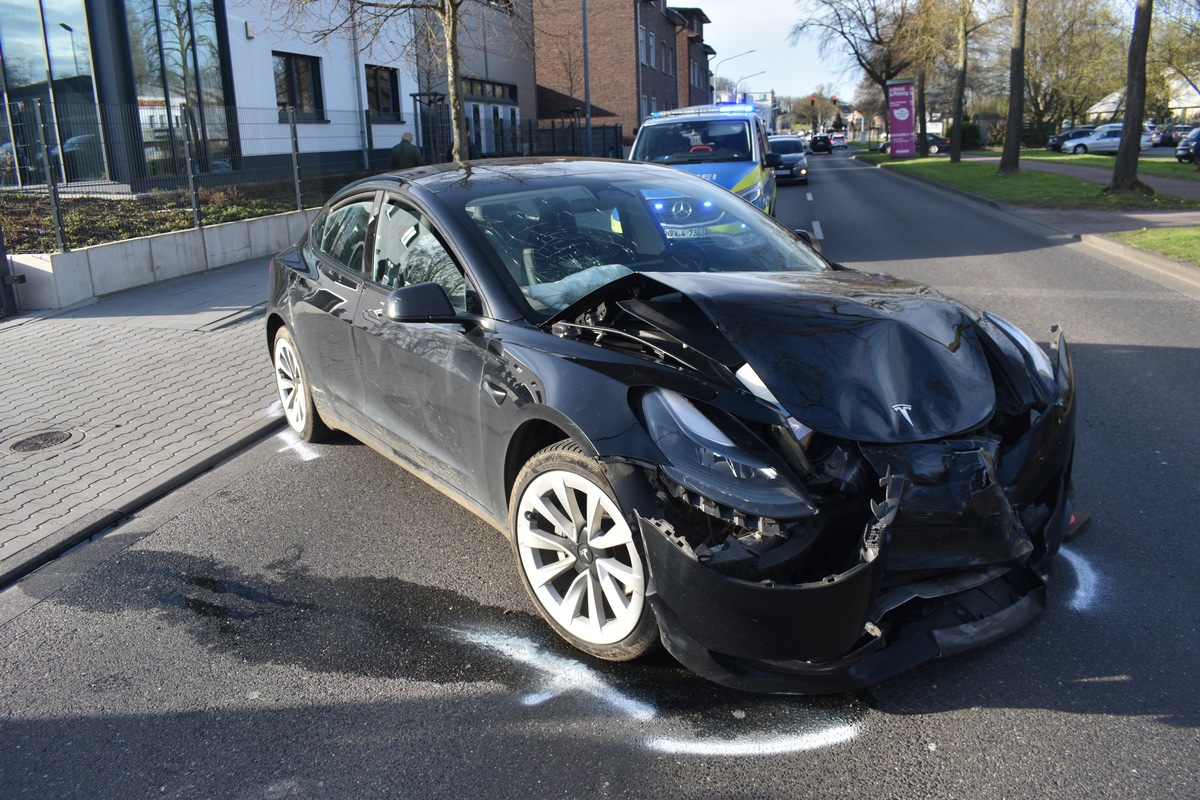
<point x="821" y="637"/>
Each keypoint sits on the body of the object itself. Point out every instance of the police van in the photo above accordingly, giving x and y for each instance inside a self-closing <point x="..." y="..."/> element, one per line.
<point x="725" y="144"/>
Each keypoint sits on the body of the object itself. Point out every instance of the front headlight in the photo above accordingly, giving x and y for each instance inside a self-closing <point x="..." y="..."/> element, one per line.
<point x="752" y="194"/>
<point x="704" y="459"/>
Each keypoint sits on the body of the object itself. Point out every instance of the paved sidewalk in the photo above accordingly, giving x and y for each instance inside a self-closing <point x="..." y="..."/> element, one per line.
<point x="105" y="407"/>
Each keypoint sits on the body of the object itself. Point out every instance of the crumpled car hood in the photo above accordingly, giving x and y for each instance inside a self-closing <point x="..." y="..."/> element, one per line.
<point x="865" y="357"/>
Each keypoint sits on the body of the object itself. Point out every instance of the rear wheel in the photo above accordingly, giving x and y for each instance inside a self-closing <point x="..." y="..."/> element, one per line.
<point x="579" y="559"/>
<point x="933" y="149"/>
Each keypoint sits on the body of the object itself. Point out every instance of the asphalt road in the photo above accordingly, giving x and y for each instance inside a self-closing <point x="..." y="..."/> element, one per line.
<point x="310" y="621"/>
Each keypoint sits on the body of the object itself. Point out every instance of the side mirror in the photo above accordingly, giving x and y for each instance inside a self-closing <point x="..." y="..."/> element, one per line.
<point x="774" y="160"/>
<point x="420" y="302"/>
<point x="808" y="239"/>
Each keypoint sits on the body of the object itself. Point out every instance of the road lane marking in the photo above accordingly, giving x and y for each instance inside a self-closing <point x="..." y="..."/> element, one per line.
<point x="817" y="230"/>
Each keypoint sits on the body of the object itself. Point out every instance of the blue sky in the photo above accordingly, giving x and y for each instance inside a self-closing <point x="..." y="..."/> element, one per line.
<point x="764" y="26"/>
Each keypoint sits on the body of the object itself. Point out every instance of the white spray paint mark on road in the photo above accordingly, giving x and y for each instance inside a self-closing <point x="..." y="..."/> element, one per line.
<point x="563" y="674"/>
<point x="1087" y="581"/>
<point x="292" y="442"/>
<point x="754" y="746"/>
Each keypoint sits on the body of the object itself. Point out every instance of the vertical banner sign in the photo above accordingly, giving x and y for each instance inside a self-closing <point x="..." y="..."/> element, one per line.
<point x="901" y="118"/>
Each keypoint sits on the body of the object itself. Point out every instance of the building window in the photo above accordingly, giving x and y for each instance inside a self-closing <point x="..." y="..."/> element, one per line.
<point x="653" y="49"/>
<point x="491" y="91"/>
<point x="645" y="105"/>
<point x="383" y="93"/>
<point x="642" y="44"/>
<point x="653" y="104"/>
<point x="693" y="72"/>
<point x="298" y="84"/>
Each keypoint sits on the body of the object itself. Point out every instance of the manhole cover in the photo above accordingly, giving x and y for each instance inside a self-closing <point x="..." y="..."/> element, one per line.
<point x="43" y="441"/>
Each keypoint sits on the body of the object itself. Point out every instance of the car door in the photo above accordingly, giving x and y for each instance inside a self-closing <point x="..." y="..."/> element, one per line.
<point x="324" y="299"/>
<point x="422" y="380"/>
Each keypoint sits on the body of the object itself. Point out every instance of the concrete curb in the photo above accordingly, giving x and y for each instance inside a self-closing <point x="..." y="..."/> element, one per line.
<point x="62" y="540"/>
<point x="1145" y="258"/>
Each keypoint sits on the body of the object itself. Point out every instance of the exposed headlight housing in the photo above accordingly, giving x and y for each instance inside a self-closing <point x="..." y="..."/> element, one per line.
<point x="703" y="458"/>
<point x="1037" y="356"/>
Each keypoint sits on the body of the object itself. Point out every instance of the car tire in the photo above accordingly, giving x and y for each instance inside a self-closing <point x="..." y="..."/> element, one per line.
<point x="883" y="148"/>
<point x="579" y="556"/>
<point x="291" y="381"/>
<point x="1079" y="149"/>
<point x="933" y="150"/>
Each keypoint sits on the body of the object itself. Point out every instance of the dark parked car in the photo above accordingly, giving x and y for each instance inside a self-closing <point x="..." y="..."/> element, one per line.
<point x="1174" y="134"/>
<point x="693" y="428"/>
<point x="1185" y="151"/>
<point x="1057" y="141"/>
<point x="795" y="162"/>
<point x="821" y="143"/>
<point x="937" y="144"/>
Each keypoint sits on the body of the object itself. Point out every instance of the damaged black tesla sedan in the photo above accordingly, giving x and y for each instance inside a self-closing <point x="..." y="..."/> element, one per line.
<point x="693" y="428"/>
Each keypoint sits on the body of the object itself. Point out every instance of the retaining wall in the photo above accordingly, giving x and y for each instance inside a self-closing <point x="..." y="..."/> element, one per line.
<point x="60" y="280"/>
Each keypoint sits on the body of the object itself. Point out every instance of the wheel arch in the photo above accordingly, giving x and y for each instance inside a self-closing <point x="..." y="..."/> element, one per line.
<point x="273" y="324"/>
<point x="532" y="436"/>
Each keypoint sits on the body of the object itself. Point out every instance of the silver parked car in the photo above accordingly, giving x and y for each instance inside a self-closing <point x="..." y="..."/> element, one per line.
<point x="1103" y="140"/>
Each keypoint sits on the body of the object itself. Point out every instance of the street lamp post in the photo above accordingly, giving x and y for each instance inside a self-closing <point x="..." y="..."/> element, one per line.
<point x="587" y="84"/>
<point x="739" y="82"/>
<point x="74" y="52"/>
<point x="729" y="58"/>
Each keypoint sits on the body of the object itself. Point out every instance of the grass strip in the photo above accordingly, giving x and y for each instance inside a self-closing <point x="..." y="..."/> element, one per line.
<point x="1030" y="187"/>
<point x="1181" y="244"/>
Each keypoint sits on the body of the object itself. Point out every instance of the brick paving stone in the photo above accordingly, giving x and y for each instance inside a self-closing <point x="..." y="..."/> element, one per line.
<point x="149" y="392"/>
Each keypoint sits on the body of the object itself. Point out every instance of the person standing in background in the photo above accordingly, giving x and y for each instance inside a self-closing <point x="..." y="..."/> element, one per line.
<point x="406" y="154"/>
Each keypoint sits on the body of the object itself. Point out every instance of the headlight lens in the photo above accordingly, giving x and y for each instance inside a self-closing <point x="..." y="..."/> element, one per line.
<point x="703" y="459"/>
<point x="752" y="194"/>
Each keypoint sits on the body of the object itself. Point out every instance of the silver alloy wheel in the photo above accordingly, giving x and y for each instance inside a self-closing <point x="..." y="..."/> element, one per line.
<point x="1079" y="149"/>
<point x="290" y="381"/>
<point x="579" y="557"/>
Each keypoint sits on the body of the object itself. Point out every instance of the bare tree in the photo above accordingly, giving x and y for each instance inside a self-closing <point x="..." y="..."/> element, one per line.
<point x="873" y="32"/>
<point x="1125" y="177"/>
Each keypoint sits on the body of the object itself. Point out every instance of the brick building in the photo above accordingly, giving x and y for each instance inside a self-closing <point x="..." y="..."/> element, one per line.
<point x="643" y="56"/>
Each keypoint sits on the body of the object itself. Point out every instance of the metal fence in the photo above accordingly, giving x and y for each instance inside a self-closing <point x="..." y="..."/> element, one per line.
<point x="76" y="176"/>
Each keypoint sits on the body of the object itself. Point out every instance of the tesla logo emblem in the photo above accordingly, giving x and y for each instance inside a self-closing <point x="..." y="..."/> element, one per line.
<point x="681" y="209"/>
<point x="902" y="409"/>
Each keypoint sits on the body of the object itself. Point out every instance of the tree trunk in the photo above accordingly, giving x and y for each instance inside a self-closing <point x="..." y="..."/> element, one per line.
<point x="922" y="142"/>
<point x="458" y="121"/>
<point x="1010" y="160"/>
<point x="960" y="89"/>
<point x="1125" y="170"/>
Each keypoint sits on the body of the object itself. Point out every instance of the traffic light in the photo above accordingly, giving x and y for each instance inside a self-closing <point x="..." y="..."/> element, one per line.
<point x="833" y="99"/>
<point x="812" y="101"/>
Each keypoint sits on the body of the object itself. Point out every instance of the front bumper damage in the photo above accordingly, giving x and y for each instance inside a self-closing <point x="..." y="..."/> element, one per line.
<point x="953" y="555"/>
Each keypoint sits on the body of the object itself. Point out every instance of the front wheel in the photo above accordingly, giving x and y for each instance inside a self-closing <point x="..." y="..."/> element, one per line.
<point x="579" y="560"/>
<point x="1079" y="149"/>
<point x="294" y="394"/>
